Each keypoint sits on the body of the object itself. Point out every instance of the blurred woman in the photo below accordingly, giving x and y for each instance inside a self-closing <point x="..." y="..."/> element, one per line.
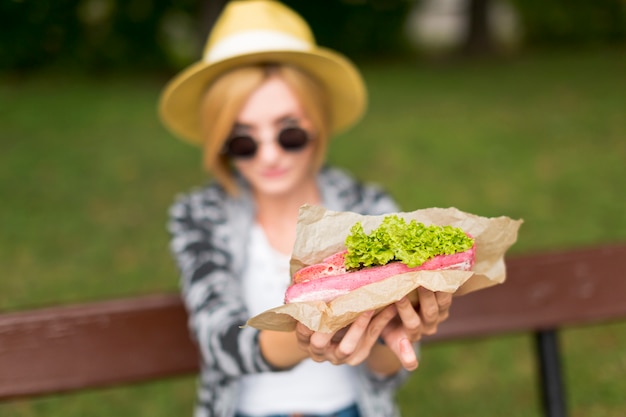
<point x="263" y="103"/>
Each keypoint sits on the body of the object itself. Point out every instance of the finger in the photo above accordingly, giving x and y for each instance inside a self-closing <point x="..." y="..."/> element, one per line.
<point x="380" y="323"/>
<point x="428" y="310"/>
<point x="318" y="347"/>
<point x="407" y="355"/>
<point x="444" y="300"/>
<point x="369" y="338"/>
<point x="303" y="335"/>
<point x="319" y="340"/>
<point x="353" y="336"/>
<point x="411" y="321"/>
<point x="402" y="347"/>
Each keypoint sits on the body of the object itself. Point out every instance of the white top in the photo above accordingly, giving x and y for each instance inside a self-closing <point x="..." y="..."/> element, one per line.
<point x="309" y="387"/>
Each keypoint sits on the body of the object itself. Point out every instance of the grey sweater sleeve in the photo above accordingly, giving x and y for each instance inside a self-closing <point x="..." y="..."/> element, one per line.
<point x="201" y="242"/>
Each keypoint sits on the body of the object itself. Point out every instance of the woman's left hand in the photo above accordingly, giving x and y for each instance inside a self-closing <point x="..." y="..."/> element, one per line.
<point x="423" y="318"/>
<point x="413" y="322"/>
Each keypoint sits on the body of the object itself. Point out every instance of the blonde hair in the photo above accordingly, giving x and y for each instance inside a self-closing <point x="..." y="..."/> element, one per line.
<point x="223" y="100"/>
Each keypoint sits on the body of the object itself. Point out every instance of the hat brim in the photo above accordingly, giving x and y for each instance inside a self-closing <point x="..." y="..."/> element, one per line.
<point x="180" y="100"/>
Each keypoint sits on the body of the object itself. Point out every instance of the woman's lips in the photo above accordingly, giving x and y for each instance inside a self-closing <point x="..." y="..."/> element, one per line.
<point x="274" y="173"/>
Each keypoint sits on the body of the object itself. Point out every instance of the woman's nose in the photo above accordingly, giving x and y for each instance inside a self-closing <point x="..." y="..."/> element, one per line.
<point x="268" y="147"/>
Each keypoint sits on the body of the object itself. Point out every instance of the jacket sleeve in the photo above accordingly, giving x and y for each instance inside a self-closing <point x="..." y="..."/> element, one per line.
<point x="198" y="224"/>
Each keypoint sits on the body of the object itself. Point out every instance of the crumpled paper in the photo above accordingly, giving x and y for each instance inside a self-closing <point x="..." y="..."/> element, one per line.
<point x="321" y="233"/>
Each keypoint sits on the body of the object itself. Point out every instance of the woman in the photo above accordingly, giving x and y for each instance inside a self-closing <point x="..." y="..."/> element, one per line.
<point x="262" y="104"/>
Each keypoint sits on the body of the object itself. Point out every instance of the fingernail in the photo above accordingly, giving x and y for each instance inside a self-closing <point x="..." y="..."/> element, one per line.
<point x="407" y="350"/>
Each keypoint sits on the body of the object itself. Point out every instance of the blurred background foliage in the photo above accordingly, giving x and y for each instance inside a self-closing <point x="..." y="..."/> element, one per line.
<point x="97" y="35"/>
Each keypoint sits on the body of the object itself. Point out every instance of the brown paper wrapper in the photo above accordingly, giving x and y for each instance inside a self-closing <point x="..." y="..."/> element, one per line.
<point x="321" y="233"/>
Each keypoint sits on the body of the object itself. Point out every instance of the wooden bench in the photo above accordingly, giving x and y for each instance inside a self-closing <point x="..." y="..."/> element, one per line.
<point x="115" y="342"/>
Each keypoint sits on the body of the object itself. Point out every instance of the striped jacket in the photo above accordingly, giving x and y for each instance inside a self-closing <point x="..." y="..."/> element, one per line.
<point x="209" y="232"/>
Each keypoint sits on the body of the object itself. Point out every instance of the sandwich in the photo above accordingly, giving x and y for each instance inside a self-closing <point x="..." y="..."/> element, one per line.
<point x="394" y="247"/>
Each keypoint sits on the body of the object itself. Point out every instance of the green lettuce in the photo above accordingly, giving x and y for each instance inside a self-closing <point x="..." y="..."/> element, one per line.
<point x="411" y="243"/>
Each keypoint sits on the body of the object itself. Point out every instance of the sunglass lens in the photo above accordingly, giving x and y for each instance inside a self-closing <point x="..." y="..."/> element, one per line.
<point x="293" y="139"/>
<point x="241" y="147"/>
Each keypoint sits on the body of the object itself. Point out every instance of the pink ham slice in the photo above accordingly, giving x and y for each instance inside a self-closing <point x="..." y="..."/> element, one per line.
<point x="329" y="279"/>
<point x="333" y="265"/>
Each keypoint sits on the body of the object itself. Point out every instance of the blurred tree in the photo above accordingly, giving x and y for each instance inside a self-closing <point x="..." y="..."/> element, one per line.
<point x="86" y="34"/>
<point x="97" y="35"/>
<point x="139" y="34"/>
<point x="573" y="22"/>
<point x="210" y="11"/>
<point x="358" y="28"/>
<point x="479" y="38"/>
<point x="35" y="32"/>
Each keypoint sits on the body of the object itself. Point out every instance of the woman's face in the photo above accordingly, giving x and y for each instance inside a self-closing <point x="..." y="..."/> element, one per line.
<point x="272" y="171"/>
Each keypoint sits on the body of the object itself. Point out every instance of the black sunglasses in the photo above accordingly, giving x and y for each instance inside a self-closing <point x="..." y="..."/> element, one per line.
<point x="291" y="139"/>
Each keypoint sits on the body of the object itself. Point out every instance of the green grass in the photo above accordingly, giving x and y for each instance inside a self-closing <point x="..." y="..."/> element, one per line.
<point x="87" y="174"/>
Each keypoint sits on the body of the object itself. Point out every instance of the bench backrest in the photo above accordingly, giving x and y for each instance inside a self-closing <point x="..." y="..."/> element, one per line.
<point x="144" y="338"/>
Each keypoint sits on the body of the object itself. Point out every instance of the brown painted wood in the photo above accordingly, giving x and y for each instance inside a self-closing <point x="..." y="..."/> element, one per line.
<point x="138" y="339"/>
<point x="544" y="291"/>
<point x="92" y="345"/>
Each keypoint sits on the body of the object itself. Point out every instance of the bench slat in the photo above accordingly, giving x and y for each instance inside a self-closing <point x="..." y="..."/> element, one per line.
<point x="105" y="343"/>
<point x="144" y="338"/>
<point x="544" y="291"/>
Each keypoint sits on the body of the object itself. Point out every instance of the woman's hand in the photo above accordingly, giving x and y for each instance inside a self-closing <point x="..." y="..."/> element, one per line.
<point x="421" y="319"/>
<point x="399" y="325"/>
<point x="351" y="345"/>
<point x="412" y="322"/>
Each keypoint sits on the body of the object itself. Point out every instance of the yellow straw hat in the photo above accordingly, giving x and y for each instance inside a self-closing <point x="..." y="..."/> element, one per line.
<point x="258" y="31"/>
